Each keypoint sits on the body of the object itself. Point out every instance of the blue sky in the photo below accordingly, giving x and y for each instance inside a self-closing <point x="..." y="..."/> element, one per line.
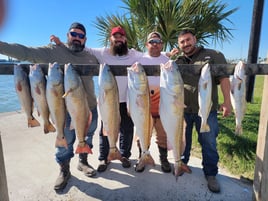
<point x="31" y="22"/>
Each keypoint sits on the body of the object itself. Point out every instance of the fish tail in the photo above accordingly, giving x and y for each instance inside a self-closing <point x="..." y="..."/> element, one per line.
<point x="178" y="170"/>
<point x="61" y="142"/>
<point x="114" y="154"/>
<point x="82" y="147"/>
<point x="204" y="128"/>
<point x="32" y="122"/>
<point x="145" y="159"/>
<point x="49" y="128"/>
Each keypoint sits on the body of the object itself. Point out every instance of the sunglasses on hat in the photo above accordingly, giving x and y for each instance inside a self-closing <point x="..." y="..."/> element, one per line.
<point x="75" y="34"/>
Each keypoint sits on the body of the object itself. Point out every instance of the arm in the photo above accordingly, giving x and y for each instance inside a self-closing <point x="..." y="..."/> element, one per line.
<point x="226" y="107"/>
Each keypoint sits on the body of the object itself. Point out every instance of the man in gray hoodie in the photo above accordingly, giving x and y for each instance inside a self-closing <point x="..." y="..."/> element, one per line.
<point x="71" y="52"/>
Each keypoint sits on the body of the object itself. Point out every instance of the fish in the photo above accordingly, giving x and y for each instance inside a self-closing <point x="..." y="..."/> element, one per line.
<point x="77" y="106"/>
<point x="238" y="95"/>
<point x="23" y="90"/>
<point x="108" y="103"/>
<point x="205" y="97"/>
<point x="38" y="91"/>
<point x="171" y="110"/>
<point x="56" y="104"/>
<point x="139" y="109"/>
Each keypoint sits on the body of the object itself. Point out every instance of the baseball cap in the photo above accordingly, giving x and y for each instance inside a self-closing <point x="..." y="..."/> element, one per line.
<point x="118" y="29"/>
<point x="77" y="25"/>
<point x="153" y="35"/>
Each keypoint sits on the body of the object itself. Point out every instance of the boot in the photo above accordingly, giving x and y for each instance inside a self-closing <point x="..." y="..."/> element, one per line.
<point x="165" y="165"/>
<point x="64" y="176"/>
<point x="83" y="166"/>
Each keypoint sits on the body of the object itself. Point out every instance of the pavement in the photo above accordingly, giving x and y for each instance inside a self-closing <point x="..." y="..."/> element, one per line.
<point x="31" y="171"/>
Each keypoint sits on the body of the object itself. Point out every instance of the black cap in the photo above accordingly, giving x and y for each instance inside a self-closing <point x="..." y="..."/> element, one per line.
<point x="77" y="25"/>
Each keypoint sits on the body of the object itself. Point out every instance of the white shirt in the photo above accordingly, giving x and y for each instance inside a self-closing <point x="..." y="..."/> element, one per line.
<point x="146" y="59"/>
<point x="105" y="57"/>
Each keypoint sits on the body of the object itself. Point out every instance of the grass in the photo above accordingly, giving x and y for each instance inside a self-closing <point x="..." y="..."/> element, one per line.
<point x="237" y="153"/>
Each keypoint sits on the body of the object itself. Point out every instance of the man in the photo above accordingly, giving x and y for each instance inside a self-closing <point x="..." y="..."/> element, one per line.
<point x="118" y="54"/>
<point x="72" y="52"/>
<point x="191" y="54"/>
<point x="154" y="47"/>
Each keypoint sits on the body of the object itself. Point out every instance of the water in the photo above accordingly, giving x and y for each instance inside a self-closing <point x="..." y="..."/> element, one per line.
<point x="8" y="97"/>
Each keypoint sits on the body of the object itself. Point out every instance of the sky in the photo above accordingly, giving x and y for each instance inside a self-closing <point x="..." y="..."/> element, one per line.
<point x="31" y="22"/>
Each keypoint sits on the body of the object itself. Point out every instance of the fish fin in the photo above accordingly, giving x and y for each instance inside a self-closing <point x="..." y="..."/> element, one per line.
<point x="37" y="90"/>
<point x="66" y="93"/>
<point x="105" y="132"/>
<point x="71" y="125"/>
<point x="204" y="128"/>
<point x="19" y="87"/>
<point x="82" y="147"/>
<point x="114" y="154"/>
<point x="32" y="122"/>
<point x="205" y="85"/>
<point x="61" y="142"/>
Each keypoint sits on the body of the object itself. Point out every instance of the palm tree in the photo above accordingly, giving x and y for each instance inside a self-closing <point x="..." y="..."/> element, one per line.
<point x="207" y="18"/>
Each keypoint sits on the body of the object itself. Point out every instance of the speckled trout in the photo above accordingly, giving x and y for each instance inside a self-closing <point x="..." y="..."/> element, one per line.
<point x="171" y="109"/>
<point x="77" y="106"/>
<point x="38" y="90"/>
<point x="108" y="103"/>
<point x="139" y="109"/>
<point x="238" y="93"/>
<point x="23" y="90"/>
<point x="56" y="104"/>
<point x="204" y="97"/>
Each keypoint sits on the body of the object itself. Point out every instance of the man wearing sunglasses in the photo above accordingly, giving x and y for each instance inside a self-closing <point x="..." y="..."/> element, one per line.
<point x="154" y="56"/>
<point x="71" y="52"/>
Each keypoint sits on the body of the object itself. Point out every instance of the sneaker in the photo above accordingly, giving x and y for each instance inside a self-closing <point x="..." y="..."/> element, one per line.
<point x="87" y="169"/>
<point x="125" y="162"/>
<point x="213" y="184"/>
<point x="102" y="166"/>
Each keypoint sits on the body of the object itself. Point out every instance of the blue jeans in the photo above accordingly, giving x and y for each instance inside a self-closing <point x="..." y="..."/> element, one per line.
<point x="207" y="141"/>
<point x="63" y="154"/>
<point x="125" y="139"/>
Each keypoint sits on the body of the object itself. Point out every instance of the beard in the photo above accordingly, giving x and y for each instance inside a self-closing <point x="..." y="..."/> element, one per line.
<point x="119" y="48"/>
<point x="76" y="46"/>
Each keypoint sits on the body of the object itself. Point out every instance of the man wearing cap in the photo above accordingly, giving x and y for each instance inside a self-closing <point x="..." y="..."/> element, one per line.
<point x="153" y="56"/>
<point x="71" y="52"/>
<point x="118" y="54"/>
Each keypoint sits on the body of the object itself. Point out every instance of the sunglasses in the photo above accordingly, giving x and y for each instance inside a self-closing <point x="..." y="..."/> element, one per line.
<point x="75" y="34"/>
<point x="157" y="41"/>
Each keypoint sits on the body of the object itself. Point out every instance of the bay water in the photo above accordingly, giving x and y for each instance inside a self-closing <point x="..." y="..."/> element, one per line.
<point x="9" y="101"/>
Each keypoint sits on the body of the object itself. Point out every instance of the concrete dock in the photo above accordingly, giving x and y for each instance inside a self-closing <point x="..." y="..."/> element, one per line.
<point x="31" y="171"/>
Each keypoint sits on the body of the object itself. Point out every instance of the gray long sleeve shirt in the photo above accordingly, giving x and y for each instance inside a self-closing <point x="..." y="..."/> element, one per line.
<point x="54" y="53"/>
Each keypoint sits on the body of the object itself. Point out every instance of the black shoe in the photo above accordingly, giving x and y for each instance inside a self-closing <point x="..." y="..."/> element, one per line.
<point x="213" y="184"/>
<point x="87" y="169"/>
<point x="63" y="177"/>
<point x="165" y="165"/>
<point x="125" y="162"/>
<point x="102" y="166"/>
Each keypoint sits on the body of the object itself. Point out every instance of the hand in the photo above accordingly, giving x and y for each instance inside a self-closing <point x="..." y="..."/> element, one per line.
<point x="55" y="39"/>
<point x="226" y="109"/>
<point x="173" y="52"/>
